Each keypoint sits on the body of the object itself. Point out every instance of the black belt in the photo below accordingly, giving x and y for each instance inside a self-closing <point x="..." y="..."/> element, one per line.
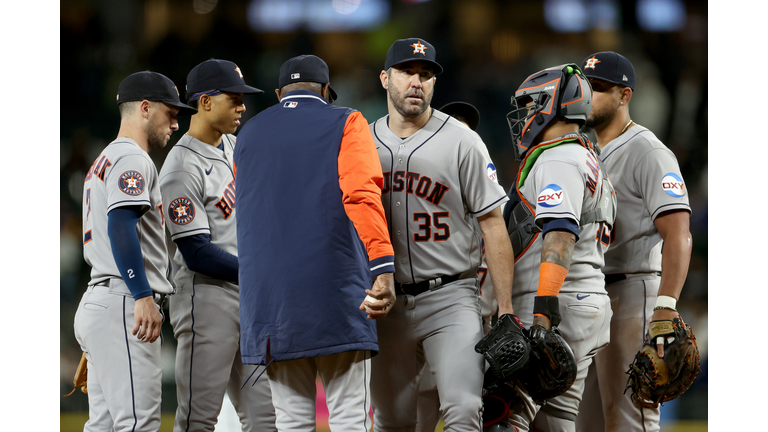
<point x="415" y="289"/>
<point x="617" y="277"/>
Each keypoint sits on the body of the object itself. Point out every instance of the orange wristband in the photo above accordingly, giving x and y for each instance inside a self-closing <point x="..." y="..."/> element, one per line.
<point x="551" y="278"/>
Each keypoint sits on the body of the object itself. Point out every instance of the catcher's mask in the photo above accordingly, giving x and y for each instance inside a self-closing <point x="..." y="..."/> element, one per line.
<point x="558" y="92"/>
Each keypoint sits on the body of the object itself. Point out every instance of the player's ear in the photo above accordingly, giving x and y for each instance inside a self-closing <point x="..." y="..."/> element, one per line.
<point x="144" y="108"/>
<point x="204" y="102"/>
<point x="626" y="95"/>
<point x="384" y="77"/>
<point x="279" y="94"/>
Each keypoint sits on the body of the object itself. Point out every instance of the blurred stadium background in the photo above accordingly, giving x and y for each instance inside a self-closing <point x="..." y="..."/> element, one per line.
<point x="487" y="48"/>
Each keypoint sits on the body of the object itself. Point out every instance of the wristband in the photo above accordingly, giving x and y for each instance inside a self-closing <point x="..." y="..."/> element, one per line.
<point x="551" y="278"/>
<point x="665" y="302"/>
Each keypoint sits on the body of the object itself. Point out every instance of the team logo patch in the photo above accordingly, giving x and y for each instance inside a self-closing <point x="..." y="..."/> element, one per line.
<point x="491" y="170"/>
<point x="551" y="196"/>
<point x="132" y="183"/>
<point x="181" y="211"/>
<point x="673" y="185"/>
<point x="290" y="104"/>
<point x="295" y="75"/>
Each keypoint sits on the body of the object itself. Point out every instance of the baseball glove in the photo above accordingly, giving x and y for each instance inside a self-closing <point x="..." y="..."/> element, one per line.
<point x="552" y="367"/>
<point x="655" y="380"/>
<point x="81" y="376"/>
<point x="506" y="348"/>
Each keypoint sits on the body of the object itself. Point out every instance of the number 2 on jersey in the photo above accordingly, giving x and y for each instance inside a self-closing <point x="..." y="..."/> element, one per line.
<point x="442" y="232"/>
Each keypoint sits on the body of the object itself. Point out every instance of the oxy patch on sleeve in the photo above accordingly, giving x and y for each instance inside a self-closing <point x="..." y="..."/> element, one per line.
<point x="551" y="196"/>
<point x="673" y="185"/>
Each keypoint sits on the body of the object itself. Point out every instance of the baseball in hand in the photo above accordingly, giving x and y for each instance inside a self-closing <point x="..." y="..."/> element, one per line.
<point x="371" y="300"/>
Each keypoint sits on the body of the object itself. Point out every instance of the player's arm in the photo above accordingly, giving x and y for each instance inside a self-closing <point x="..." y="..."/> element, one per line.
<point x="204" y="257"/>
<point x="361" y="181"/>
<point x="500" y="258"/>
<point x="126" y="249"/>
<point x="674" y="227"/>
<point x="556" y="253"/>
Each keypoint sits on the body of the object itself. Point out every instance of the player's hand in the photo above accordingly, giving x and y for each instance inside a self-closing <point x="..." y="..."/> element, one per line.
<point x="148" y="320"/>
<point x="663" y="315"/>
<point x="541" y="321"/>
<point x="383" y="290"/>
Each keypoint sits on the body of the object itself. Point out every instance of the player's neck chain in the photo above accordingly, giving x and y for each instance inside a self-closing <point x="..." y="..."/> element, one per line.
<point x="629" y="123"/>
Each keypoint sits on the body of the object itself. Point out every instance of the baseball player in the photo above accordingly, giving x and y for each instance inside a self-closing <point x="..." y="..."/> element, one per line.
<point x="312" y="241"/>
<point x="559" y="245"/>
<point x="642" y="283"/>
<point x="428" y="413"/>
<point x="198" y="183"/>
<point x="119" y="317"/>
<point x="439" y="179"/>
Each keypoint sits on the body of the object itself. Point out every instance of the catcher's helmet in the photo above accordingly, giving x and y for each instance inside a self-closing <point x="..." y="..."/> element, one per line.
<point x="558" y="92"/>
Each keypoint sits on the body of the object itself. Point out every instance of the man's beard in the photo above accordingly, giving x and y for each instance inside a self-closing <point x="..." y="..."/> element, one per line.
<point x="406" y="109"/>
<point x="156" y="139"/>
<point x="599" y="118"/>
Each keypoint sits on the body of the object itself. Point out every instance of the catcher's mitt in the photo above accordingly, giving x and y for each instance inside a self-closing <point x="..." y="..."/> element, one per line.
<point x="506" y="348"/>
<point x="552" y="368"/>
<point x="655" y="380"/>
<point x="81" y="376"/>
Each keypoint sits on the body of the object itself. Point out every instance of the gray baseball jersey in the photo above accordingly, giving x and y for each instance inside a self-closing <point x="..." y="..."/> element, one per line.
<point x="124" y="175"/>
<point x="198" y="183"/>
<point x="647" y="180"/>
<point x="564" y="182"/>
<point x="124" y="374"/>
<point x="436" y="181"/>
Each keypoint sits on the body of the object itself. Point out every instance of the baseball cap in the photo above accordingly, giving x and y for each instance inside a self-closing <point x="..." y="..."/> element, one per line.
<point x="305" y="68"/>
<point x="151" y="86"/>
<point x="405" y="50"/>
<point x="465" y="110"/>
<point x="215" y="74"/>
<point x="610" y="66"/>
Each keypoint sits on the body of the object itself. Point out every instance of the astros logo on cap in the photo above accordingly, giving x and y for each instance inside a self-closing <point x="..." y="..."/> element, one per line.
<point x="418" y="47"/>
<point x="551" y="196"/>
<point x="131" y="183"/>
<point x="592" y="62"/>
<point x="673" y="185"/>
<point x="181" y="211"/>
<point x="238" y="71"/>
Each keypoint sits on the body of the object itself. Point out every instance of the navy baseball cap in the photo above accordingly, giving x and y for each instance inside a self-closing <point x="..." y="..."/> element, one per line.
<point x="610" y="66"/>
<point x="465" y="110"/>
<point x="152" y="86"/>
<point x="305" y="68"/>
<point x="215" y="74"/>
<point x="405" y="50"/>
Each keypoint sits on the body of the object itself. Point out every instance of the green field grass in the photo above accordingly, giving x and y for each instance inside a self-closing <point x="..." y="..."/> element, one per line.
<point x="75" y="422"/>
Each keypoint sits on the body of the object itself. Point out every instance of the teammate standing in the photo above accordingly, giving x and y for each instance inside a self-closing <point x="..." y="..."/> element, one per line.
<point x="124" y="243"/>
<point x="438" y="178"/>
<point x="643" y="283"/>
<point x="428" y="413"/>
<point x="312" y="241"/>
<point x="570" y="206"/>
<point x="198" y="183"/>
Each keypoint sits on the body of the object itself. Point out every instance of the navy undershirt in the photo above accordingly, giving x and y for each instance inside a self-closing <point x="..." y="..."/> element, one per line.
<point x="126" y="249"/>
<point x="204" y="257"/>
<point x="568" y="225"/>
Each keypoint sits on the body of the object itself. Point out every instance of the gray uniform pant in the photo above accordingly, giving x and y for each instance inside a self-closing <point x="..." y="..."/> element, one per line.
<point x="585" y="326"/>
<point x="206" y="324"/>
<point x="605" y="406"/>
<point x="439" y="327"/>
<point x="124" y="374"/>
<point x="346" y="378"/>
